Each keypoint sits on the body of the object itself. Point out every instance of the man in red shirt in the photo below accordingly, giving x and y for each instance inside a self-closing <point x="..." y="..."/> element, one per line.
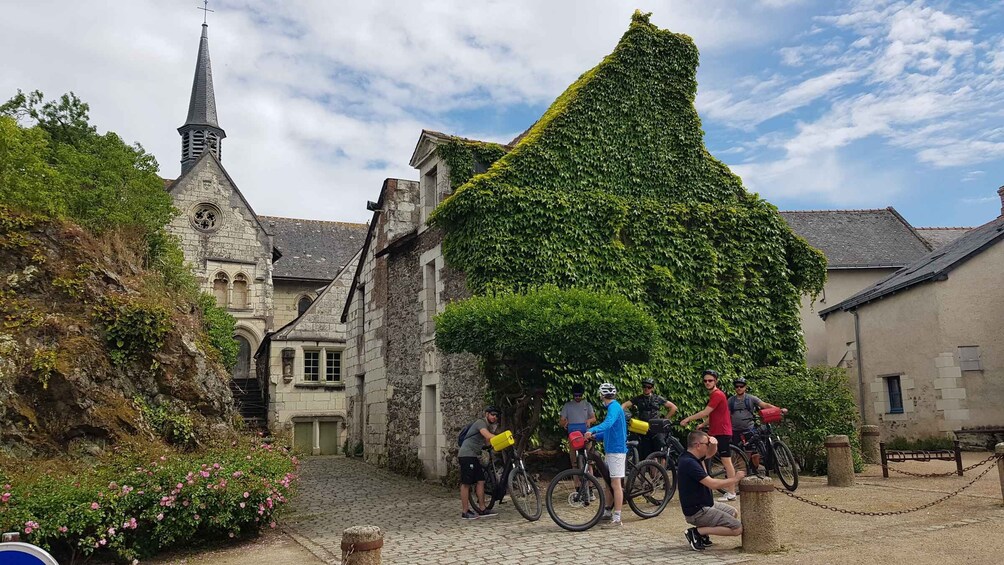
<point x="720" y="426"/>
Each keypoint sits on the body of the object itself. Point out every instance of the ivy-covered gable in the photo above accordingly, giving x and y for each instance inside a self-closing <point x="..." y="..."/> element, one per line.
<point x="613" y="190"/>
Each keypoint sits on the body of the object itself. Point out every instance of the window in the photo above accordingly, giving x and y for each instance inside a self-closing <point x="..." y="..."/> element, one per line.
<point x="239" y="296"/>
<point x="969" y="358"/>
<point x="430" y="298"/>
<point x="220" y="288"/>
<point x="895" y="394"/>
<point x="333" y="366"/>
<point x="206" y="217"/>
<point x="311" y="366"/>
<point x="302" y="304"/>
<point x="430" y="192"/>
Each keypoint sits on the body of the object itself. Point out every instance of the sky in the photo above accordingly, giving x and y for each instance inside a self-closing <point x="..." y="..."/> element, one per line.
<point x="815" y="104"/>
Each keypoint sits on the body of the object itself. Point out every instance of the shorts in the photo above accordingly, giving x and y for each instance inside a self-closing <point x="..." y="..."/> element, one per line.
<point x="724" y="446"/>
<point x="615" y="464"/>
<point x="470" y="470"/>
<point x="720" y="514"/>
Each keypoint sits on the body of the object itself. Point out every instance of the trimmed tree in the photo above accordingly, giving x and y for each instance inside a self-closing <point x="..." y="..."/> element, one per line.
<point x="533" y="340"/>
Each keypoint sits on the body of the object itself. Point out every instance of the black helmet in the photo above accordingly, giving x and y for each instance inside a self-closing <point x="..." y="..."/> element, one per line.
<point x="739" y="381"/>
<point x="492" y="410"/>
<point x="648" y="381"/>
<point x="710" y="372"/>
<point x="577" y="388"/>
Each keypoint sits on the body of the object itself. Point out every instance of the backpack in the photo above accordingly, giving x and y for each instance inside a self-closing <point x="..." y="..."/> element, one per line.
<point x="463" y="434"/>
<point x="746" y="402"/>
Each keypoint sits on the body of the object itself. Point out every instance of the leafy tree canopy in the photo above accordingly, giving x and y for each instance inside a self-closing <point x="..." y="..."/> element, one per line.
<point x="52" y="160"/>
<point x="614" y="190"/>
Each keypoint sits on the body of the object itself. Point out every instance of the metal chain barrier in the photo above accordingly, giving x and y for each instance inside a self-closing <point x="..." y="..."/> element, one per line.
<point x="896" y="512"/>
<point x="948" y="474"/>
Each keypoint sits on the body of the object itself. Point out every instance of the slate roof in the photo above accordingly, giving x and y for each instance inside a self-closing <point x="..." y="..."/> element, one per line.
<point x="202" y="106"/>
<point x="934" y="266"/>
<point x="313" y="249"/>
<point x="859" y="238"/>
<point x="937" y="238"/>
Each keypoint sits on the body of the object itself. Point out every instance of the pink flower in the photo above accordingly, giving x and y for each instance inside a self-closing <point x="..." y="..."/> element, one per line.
<point x="238" y="474"/>
<point x="246" y="494"/>
<point x="111" y="531"/>
<point x="103" y="541"/>
<point x="63" y="529"/>
<point x="272" y="525"/>
<point x="179" y="486"/>
<point x="196" y="517"/>
<point x="243" y="505"/>
<point x="160" y="516"/>
<point x="216" y="465"/>
<point x="205" y="474"/>
<point x="95" y="506"/>
<point x="5" y="497"/>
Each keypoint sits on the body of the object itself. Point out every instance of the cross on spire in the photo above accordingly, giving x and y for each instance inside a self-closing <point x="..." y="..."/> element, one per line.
<point x="205" y="9"/>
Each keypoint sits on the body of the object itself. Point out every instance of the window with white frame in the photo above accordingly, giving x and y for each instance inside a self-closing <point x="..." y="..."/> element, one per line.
<point x="311" y="365"/>
<point x="332" y="366"/>
<point x="430" y="192"/>
<point x="969" y="358"/>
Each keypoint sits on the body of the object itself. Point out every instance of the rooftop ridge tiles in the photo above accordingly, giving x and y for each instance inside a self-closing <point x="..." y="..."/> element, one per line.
<point x="351" y="224"/>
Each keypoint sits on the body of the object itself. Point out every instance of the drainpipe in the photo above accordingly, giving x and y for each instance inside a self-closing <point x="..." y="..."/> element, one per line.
<point x="861" y="378"/>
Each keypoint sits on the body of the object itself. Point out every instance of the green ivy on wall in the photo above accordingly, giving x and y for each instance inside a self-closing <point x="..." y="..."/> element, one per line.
<point x="613" y="190"/>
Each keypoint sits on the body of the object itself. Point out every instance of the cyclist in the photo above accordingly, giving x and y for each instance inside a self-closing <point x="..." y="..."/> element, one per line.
<point x="649" y="405"/>
<point x="577" y="414"/>
<point x="471" y="473"/>
<point x="717" y="411"/>
<point x="614" y="430"/>
<point x="699" y="508"/>
<point x="741" y="406"/>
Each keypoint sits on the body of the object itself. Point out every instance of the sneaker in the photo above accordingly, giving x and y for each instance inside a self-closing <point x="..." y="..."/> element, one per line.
<point x="487" y="513"/>
<point x="608" y="514"/>
<point x="614" y="524"/>
<point x="706" y="540"/>
<point x="727" y="497"/>
<point x="694" y="539"/>
<point x="469" y="515"/>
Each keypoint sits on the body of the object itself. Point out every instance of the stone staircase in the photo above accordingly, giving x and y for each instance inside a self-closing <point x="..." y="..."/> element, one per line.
<point x="251" y="402"/>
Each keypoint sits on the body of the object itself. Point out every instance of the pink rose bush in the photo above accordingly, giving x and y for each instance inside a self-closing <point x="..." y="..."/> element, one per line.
<point x="126" y="508"/>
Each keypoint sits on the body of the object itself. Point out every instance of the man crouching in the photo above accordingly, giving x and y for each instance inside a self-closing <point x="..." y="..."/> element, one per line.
<point x="699" y="507"/>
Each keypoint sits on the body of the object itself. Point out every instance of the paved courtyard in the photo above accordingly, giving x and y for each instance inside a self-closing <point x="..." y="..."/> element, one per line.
<point x="421" y="522"/>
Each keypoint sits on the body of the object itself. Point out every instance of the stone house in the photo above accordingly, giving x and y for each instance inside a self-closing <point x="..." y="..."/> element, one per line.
<point x="409" y="399"/>
<point x="928" y="340"/>
<point x="269" y="273"/>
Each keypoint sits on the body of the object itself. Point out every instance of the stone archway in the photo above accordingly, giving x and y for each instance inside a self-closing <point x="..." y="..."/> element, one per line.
<point x="250" y="397"/>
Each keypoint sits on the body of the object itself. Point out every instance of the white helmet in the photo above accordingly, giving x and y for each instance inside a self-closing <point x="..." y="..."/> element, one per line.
<point x="607" y="389"/>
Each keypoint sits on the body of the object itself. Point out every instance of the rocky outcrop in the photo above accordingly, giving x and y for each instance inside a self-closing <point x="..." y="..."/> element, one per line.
<point x="87" y="334"/>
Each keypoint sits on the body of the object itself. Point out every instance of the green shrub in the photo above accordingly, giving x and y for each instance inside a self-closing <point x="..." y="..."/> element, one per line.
<point x="173" y="423"/>
<point x="128" y="507"/>
<point x="219" y="327"/>
<point x="819" y="404"/>
<point x="132" y="328"/>
<point x="931" y="443"/>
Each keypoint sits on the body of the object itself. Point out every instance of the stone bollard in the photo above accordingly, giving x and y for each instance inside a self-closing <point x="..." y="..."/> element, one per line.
<point x="839" y="462"/>
<point x="870" y="444"/>
<point x="999" y="450"/>
<point x="756" y="505"/>
<point x="361" y="545"/>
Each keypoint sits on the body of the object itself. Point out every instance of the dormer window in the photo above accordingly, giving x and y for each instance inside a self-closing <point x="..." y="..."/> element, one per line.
<point x="430" y="192"/>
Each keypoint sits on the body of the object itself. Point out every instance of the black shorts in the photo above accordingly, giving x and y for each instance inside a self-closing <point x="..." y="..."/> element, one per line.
<point x="470" y="470"/>
<point x="724" y="445"/>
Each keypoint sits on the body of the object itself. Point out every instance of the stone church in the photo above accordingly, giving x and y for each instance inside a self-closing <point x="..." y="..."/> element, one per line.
<point x="283" y="279"/>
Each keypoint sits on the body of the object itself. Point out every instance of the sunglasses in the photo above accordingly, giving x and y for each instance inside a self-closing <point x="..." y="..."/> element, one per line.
<point x="709" y="380"/>
<point x="740" y="386"/>
<point x="647" y="386"/>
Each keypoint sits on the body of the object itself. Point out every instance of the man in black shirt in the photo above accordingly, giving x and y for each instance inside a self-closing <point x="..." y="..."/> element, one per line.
<point x="648" y="405"/>
<point x="699" y="507"/>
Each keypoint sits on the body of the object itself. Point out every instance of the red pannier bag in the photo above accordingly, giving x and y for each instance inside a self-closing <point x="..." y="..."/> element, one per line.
<point x="770" y="415"/>
<point x="576" y="440"/>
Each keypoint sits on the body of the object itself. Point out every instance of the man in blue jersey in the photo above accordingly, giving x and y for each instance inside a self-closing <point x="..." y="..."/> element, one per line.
<point x="614" y="430"/>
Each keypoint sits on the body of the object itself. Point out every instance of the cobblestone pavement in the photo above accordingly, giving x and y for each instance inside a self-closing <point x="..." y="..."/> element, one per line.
<point x="422" y="525"/>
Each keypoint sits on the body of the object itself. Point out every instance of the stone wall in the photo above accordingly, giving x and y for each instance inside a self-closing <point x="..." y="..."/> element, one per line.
<point x="287" y="295"/>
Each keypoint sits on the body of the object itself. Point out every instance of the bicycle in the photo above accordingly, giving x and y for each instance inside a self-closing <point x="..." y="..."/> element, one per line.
<point x="504" y="472"/>
<point x="669" y="455"/>
<point x="773" y="453"/>
<point x="646" y="488"/>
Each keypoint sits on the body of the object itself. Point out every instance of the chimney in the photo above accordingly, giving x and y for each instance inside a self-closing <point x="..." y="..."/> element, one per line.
<point x="1000" y="192"/>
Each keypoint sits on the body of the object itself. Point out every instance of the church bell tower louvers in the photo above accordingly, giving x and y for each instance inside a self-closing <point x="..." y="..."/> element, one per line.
<point x="202" y="131"/>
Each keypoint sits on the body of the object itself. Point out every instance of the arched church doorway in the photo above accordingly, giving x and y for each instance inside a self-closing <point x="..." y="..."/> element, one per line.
<point x="249" y="396"/>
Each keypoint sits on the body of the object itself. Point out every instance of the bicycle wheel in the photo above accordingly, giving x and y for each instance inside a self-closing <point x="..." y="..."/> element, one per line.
<point x="524" y="494"/>
<point x="785" y="465"/>
<point x="717" y="470"/>
<point x="575" y="507"/>
<point x="491" y="490"/>
<point x="670" y="463"/>
<point x="648" y="489"/>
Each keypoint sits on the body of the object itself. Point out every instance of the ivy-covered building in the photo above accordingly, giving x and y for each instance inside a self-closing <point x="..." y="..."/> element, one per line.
<point x="283" y="279"/>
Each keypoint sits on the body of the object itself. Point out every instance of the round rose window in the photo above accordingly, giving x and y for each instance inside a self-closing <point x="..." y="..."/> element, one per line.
<point x="206" y="217"/>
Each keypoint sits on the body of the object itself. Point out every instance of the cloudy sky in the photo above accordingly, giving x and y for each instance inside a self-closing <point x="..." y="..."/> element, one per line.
<point x="816" y="104"/>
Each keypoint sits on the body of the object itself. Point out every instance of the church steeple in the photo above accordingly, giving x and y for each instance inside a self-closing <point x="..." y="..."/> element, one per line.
<point x="202" y="131"/>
